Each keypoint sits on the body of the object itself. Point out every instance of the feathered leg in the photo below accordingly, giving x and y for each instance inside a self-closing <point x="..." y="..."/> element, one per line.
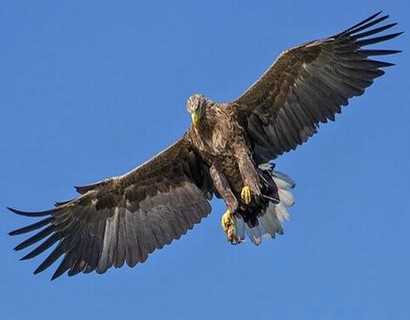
<point x="222" y="187"/>
<point x="248" y="172"/>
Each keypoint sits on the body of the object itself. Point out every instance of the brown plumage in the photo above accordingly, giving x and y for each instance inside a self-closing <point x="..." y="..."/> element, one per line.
<point x="224" y="153"/>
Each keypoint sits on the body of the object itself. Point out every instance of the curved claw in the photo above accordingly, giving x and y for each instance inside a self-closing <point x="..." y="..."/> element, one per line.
<point x="228" y="225"/>
<point x="246" y="195"/>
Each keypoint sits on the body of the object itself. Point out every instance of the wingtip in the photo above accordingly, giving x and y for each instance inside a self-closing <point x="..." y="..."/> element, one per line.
<point x="38" y="270"/>
<point x="374" y="15"/>
<point x="12" y="209"/>
<point x="55" y="276"/>
<point x="13" y="233"/>
<point x="365" y="24"/>
<point x="26" y="257"/>
<point x="22" y="213"/>
<point x="30" y="214"/>
<point x="377" y="14"/>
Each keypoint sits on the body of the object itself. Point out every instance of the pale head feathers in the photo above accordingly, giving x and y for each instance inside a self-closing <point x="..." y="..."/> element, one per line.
<point x="196" y="104"/>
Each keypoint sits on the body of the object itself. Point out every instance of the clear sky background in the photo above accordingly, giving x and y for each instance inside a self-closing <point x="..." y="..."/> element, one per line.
<point x="90" y="89"/>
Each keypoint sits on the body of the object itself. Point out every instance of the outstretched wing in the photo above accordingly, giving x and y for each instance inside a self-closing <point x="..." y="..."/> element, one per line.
<point x="123" y="219"/>
<point x="308" y="84"/>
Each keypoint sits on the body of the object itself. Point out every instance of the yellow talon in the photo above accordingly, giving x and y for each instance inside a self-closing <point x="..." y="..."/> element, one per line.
<point x="246" y="195"/>
<point x="228" y="225"/>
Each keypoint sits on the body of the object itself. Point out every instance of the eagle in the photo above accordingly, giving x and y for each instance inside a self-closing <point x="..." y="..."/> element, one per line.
<point x="227" y="152"/>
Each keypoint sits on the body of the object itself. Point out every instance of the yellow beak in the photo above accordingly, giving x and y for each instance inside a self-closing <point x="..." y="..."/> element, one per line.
<point x="195" y="119"/>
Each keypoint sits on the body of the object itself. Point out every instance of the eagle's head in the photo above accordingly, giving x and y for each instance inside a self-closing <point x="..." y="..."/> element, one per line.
<point x="196" y="106"/>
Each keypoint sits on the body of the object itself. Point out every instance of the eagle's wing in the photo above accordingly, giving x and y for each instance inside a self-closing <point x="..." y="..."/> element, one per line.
<point x="124" y="219"/>
<point x="308" y="84"/>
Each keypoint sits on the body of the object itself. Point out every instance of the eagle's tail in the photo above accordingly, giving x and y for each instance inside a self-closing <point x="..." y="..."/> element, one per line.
<point x="277" y="196"/>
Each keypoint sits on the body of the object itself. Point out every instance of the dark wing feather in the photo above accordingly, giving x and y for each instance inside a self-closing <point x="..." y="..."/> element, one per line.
<point x="308" y="84"/>
<point x="123" y="219"/>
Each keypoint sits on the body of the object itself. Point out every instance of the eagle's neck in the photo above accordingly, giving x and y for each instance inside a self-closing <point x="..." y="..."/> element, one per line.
<point x="208" y="120"/>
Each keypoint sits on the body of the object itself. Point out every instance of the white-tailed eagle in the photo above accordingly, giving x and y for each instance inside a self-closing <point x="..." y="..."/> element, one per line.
<point x="226" y="152"/>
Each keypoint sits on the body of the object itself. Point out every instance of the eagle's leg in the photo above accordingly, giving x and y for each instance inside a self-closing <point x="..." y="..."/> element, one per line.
<point x="222" y="187"/>
<point x="248" y="173"/>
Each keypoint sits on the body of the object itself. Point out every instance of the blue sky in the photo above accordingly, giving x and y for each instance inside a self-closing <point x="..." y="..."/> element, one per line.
<point x="90" y="89"/>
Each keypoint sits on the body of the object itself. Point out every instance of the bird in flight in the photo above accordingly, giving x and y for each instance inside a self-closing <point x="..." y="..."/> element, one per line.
<point x="227" y="152"/>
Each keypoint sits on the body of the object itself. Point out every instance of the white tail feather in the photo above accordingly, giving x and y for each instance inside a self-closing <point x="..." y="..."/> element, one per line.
<point x="286" y="197"/>
<point x="270" y="222"/>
